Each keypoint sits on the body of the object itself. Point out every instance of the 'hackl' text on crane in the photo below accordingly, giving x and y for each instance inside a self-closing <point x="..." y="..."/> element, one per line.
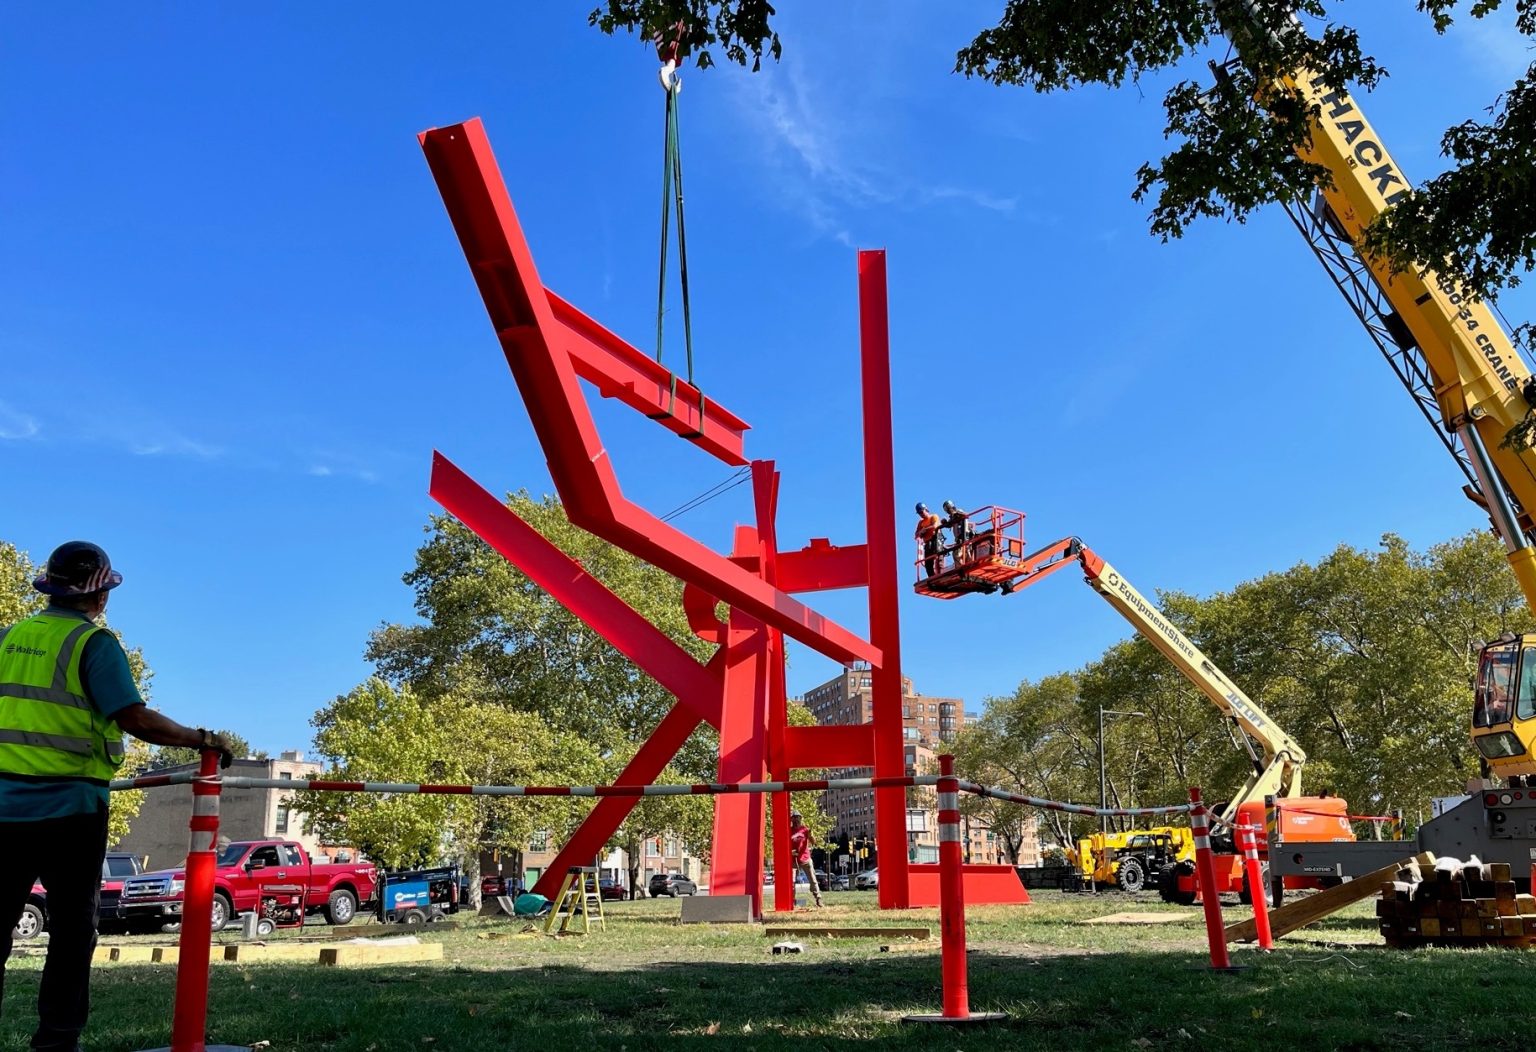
<point x="1367" y="152"/>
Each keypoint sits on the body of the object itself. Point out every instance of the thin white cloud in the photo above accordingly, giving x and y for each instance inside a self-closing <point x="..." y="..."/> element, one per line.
<point x="331" y="463"/>
<point x="171" y="444"/>
<point x="14" y="424"/>
<point x="809" y="147"/>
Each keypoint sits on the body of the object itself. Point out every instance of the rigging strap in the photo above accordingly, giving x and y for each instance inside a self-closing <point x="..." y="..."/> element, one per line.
<point x="672" y="192"/>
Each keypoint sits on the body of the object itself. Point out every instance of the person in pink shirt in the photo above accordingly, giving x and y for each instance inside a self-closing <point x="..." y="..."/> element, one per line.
<point x="800" y="848"/>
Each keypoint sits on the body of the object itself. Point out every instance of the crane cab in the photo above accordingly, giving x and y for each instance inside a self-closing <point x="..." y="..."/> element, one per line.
<point x="984" y="553"/>
<point x="1504" y="706"/>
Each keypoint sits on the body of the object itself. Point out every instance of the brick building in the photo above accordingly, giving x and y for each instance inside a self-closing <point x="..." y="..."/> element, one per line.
<point x="927" y="724"/>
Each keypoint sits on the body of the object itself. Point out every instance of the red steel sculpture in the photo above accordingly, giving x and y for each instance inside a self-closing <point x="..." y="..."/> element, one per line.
<point x="550" y="347"/>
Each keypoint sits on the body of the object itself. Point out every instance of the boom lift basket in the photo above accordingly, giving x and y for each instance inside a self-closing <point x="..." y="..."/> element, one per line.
<point x="987" y="558"/>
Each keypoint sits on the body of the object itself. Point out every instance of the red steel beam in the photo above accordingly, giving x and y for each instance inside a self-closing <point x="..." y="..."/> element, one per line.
<point x="598" y="827"/>
<point x="884" y="595"/>
<point x="532" y="340"/>
<point x="619" y="370"/>
<point x="832" y="745"/>
<point x="824" y="567"/>
<point x="581" y="593"/>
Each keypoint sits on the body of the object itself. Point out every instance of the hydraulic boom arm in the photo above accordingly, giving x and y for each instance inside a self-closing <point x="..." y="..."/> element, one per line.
<point x="1278" y="771"/>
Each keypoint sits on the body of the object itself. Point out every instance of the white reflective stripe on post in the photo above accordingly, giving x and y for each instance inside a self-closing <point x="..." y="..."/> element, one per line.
<point x="949" y="834"/>
<point x="202" y="841"/>
<point x="949" y="801"/>
<point x="205" y="805"/>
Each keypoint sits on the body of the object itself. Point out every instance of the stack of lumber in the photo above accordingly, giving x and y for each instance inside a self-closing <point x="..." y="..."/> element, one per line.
<point x="1456" y="904"/>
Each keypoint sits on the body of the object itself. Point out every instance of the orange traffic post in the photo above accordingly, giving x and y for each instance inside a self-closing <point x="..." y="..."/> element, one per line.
<point x="1205" y="877"/>
<point x="957" y="1008"/>
<point x="189" y="1026"/>
<point x="1248" y="840"/>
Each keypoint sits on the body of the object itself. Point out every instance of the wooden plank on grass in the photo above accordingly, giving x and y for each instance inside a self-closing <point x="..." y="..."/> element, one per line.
<point x="823" y="931"/>
<point x="388" y="953"/>
<point x="247" y="953"/>
<point x="1305" y="911"/>
<point x="133" y="954"/>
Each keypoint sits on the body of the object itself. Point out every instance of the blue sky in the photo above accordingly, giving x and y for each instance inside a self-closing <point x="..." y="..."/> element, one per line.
<point x="235" y="322"/>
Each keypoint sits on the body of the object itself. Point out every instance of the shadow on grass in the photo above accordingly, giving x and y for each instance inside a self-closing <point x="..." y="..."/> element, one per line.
<point x="1369" y="999"/>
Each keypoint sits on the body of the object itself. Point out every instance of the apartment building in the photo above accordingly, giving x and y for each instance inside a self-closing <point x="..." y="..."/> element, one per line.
<point x="927" y="723"/>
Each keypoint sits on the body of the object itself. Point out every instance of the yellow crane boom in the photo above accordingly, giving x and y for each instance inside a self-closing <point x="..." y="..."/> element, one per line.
<point x="1453" y="355"/>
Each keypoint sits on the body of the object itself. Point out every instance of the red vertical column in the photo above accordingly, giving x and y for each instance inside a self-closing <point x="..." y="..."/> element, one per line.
<point x="884" y="594"/>
<point x="736" y="861"/>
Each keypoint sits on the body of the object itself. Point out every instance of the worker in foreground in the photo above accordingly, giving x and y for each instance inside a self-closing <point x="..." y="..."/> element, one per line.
<point x="66" y="696"/>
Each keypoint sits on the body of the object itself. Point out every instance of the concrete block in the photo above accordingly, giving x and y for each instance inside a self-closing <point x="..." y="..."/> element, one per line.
<point x="717" y="909"/>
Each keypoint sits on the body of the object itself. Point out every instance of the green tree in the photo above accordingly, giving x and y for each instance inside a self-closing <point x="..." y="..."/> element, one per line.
<point x="378" y="733"/>
<point x="1230" y="157"/>
<point x="490" y="635"/>
<point x="1033" y="742"/>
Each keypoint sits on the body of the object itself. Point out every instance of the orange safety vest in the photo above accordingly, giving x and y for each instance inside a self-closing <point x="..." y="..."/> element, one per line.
<point x="927" y="526"/>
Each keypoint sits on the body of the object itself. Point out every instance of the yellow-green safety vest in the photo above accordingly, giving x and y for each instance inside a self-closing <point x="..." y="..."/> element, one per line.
<point x="48" y="727"/>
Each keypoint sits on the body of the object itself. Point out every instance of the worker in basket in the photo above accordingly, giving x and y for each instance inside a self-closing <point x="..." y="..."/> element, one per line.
<point x="928" y="526"/>
<point x="958" y="523"/>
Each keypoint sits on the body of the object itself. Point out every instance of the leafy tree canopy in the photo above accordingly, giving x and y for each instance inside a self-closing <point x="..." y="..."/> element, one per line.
<point x="1229" y="156"/>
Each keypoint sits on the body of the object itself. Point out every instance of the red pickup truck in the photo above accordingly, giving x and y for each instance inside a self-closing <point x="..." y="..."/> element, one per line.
<point x="334" y="889"/>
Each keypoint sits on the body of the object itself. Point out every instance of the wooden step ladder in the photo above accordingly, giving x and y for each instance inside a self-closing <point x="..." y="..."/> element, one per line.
<point x="579" y="900"/>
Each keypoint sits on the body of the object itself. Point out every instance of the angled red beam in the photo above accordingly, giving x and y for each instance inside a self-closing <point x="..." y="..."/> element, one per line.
<point x="519" y="307"/>
<point x="832" y="745"/>
<point x="619" y="370"/>
<point x="823" y="567"/>
<point x="584" y="595"/>
<point x="643" y="768"/>
<point x="503" y="269"/>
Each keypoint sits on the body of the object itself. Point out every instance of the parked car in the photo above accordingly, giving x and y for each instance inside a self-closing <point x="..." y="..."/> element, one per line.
<point x="115" y="868"/>
<point x="673" y="884"/>
<point x="870" y="878"/>
<point x="492" y="885"/>
<point x="838" y="882"/>
<point x="822" y="880"/>
<point x="609" y="888"/>
<point x="242" y="868"/>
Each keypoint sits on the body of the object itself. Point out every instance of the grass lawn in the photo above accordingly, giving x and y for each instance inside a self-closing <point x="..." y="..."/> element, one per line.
<point x="647" y="983"/>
